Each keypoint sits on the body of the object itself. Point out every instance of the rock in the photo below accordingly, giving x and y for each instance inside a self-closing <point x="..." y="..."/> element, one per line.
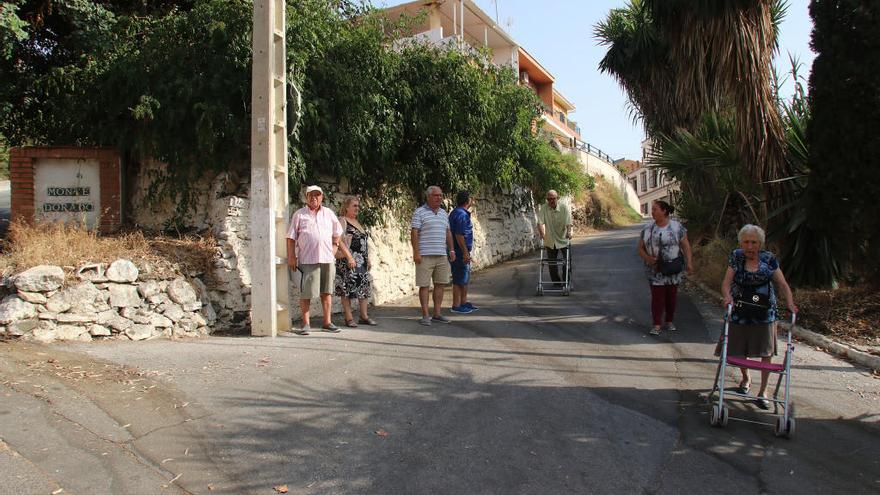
<point x="209" y="313"/>
<point x="201" y="290"/>
<point x="48" y="316"/>
<point x="99" y="331"/>
<point x="32" y="297"/>
<point x="181" y="292"/>
<point x="112" y="319"/>
<point x="187" y="326"/>
<point x="123" y="295"/>
<point x="204" y="331"/>
<point x="161" y="321"/>
<point x="148" y="289"/>
<point x="2" y="330"/>
<point x="192" y="306"/>
<point x="122" y="271"/>
<point x="73" y="318"/>
<point x="173" y="311"/>
<point x="13" y="309"/>
<point x="158" y="298"/>
<point x="58" y="303"/>
<point x="139" y="332"/>
<point x="101" y="306"/>
<point x="198" y="319"/>
<point x="45" y="335"/>
<point x="40" y="278"/>
<point x="93" y="272"/>
<point x="70" y="332"/>
<point x="22" y="327"/>
<point x="80" y="298"/>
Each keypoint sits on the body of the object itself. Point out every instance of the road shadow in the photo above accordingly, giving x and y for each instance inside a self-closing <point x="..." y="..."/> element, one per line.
<point x="448" y="431"/>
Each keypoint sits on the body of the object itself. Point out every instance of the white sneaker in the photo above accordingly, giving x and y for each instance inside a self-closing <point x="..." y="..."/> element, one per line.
<point x="655" y="331"/>
<point x="425" y="321"/>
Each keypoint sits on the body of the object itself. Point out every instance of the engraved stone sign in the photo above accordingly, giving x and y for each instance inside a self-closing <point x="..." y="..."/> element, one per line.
<point x="67" y="190"/>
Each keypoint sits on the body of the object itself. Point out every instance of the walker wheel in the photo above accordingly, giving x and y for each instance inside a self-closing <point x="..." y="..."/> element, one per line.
<point x="725" y="415"/>
<point x="566" y="291"/>
<point x="714" y="416"/>
<point x="784" y="430"/>
<point x="539" y="291"/>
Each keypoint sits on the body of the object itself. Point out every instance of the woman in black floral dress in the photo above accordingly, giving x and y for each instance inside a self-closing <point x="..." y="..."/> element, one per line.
<point x="353" y="279"/>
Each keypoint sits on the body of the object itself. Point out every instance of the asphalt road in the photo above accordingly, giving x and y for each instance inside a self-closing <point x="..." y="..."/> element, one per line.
<point x="530" y="394"/>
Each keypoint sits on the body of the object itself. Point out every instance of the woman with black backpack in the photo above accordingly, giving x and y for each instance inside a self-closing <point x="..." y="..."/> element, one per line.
<point x="748" y="286"/>
<point x="665" y="249"/>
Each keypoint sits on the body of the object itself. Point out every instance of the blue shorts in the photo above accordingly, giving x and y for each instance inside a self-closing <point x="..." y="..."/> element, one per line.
<point x="461" y="271"/>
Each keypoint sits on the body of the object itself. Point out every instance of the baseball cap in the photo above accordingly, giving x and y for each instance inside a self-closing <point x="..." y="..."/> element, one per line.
<point x="312" y="189"/>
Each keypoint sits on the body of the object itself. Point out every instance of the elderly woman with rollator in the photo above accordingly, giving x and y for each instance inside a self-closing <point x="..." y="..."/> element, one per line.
<point x="748" y="287"/>
<point x="666" y="251"/>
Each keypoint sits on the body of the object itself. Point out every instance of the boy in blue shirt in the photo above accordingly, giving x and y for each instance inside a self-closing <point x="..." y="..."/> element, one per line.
<point x="463" y="241"/>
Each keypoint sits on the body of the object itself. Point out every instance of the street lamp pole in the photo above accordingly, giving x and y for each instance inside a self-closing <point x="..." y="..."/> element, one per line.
<point x="270" y="300"/>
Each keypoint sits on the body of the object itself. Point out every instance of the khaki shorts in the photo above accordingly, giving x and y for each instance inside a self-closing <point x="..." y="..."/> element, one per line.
<point x="316" y="279"/>
<point x="433" y="268"/>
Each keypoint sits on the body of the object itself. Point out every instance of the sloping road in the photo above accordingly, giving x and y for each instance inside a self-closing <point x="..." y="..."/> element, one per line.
<point x="529" y="395"/>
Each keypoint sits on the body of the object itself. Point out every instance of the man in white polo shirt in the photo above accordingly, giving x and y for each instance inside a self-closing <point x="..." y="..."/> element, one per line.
<point x="432" y="250"/>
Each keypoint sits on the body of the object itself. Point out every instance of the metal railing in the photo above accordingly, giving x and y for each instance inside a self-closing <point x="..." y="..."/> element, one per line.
<point x="588" y="148"/>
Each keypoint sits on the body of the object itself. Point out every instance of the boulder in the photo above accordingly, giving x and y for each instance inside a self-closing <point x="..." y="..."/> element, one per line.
<point x="58" y="303"/>
<point x="198" y="319"/>
<point x="74" y="318"/>
<point x="112" y="319"/>
<point x="122" y="271"/>
<point x="99" y="331"/>
<point x="139" y="332"/>
<point x="80" y="298"/>
<point x="148" y="289"/>
<point x="13" y="309"/>
<point x="123" y="295"/>
<point x="45" y="335"/>
<point x="192" y="306"/>
<point x="32" y="297"/>
<point x="70" y="332"/>
<point x="40" y="278"/>
<point x="160" y="321"/>
<point x="22" y="327"/>
<point x="173" y="311"/>
<point x="181" y="292"/>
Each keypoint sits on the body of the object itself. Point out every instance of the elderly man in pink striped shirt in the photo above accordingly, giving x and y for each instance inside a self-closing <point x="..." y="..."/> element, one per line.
<point x="312" y="241"/>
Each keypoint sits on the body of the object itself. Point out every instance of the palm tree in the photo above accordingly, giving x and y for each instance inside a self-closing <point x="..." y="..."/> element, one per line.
<point x="678" y="59"/>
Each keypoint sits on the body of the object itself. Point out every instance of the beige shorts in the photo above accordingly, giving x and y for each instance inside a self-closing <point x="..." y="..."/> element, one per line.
<point x="433" y="268"/>
<point x="316" y="279"/>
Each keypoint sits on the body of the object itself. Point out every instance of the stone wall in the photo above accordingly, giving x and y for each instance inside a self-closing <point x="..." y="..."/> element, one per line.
<point x="504" y="227"/>
<point x="116" y="302"/>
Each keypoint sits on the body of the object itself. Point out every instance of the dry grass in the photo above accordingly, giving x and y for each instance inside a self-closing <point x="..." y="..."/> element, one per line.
<point x="71" y="246"/>
<point x="602" y="208"/>
<point x="710" y="261"/>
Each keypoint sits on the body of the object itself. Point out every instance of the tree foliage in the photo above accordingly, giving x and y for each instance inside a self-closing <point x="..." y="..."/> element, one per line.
<point x="843" y="136"/>
<point x="171" y="80"/>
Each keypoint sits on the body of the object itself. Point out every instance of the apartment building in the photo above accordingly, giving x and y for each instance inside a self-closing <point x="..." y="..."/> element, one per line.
<point x="651" y="183"/>
<point x="462" y="24"/>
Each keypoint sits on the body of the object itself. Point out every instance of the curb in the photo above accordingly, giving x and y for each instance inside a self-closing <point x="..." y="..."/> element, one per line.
<point x="815" y="339"/>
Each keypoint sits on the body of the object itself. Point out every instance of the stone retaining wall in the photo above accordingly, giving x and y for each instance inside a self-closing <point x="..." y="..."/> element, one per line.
<point x="113" y="303"/>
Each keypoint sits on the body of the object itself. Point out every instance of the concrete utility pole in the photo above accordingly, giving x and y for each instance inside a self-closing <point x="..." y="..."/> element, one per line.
<point x="270" y="300"/>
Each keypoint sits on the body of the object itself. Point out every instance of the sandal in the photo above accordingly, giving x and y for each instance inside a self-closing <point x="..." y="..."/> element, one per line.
<point x="762" y="403"/>
<point x="743" y="389"/>
<point x="368" y="321"/>
<point x="350" y="323"/>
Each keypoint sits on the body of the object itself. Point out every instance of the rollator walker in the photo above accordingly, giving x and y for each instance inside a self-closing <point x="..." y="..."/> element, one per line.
<point x="564" y="286"/>
<point x="720" y="414"/>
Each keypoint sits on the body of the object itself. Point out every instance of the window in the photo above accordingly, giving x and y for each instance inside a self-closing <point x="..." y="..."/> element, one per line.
<point x="654" y="178"/>
<point x="644" y="208"/>
<point x="643" y="181"/>
<point x="634" y="183"/>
